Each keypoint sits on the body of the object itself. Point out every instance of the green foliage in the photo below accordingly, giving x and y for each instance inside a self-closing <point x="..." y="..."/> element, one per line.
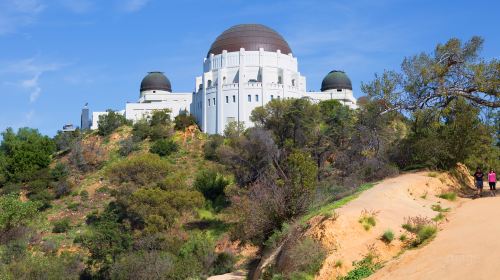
<point x="422" y="228"/>
<point x="141" y="170"/>
<point x="212" y="184"/>
<point x="84" y="195"/>
<point x="105" y="240"/>
<point x="363" y="269"/>
<point x="184" y="120"/>
<point x="234" y="129"/>
<point x="195" y="257"/>
<point x="15" y="213"/>
<point x="211" y="146"/>
<point x="224" y="263"/>
<point x="109" y="122"/>
<point x="367" y="220"/>
<point x="45" y="267"/>
<point x="140" y="130"/>
<point x="388" y="236"/>
<point x="438" y="208"/>
<point x="60" y="171"/>
<point x="142" y="265"/>
<point x="438" y="217"/>
<point x="164" y="147"/>
<point x="159" y="209"/>
<point x="451" y="196"/>
<point x="61" y="226"/>
<point x="25" y="153"/>
<point x="127" y="146"/>
<point x="64" y="140"/>
<point x="307" y="257"/>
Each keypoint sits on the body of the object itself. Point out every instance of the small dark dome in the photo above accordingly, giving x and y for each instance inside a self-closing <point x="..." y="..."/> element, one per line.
<point x="156" y="81"/>
<point x="251" y="37"/>
<point x="336" y="80"/>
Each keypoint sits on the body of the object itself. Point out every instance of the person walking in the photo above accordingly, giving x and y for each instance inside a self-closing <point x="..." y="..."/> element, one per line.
<point x="492" y="181"/>
<point x="478" y="176"/>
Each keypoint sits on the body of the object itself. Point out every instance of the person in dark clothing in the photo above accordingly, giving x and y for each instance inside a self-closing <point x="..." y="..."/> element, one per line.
<point x="478" y="176"/>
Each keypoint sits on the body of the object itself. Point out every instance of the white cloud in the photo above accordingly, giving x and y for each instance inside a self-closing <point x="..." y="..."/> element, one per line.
<point x="133" y="5"/>
<point x="17" y="13"/>
<point x="34" y="69"/>
<point x="78" y="6"/>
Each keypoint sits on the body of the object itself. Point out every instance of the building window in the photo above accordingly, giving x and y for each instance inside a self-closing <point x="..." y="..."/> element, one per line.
<point x="224" y="80"/>
<point x="209" y="83"/>
<point x="234" y="98"/>
<point x="280" y="80"/>
<point x="272" y="97"/>
<point x="209" y="102"/>
<point x="339" y="90"/>
<point x="256" y="98"/>
<point x="214" y="101"/>
<point x="227" y="99"/>
<point x="249" y="98"/>
<point x="293" y="82"/>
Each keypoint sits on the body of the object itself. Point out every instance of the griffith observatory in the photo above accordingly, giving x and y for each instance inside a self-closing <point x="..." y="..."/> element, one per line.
<point x="247" y="66"/>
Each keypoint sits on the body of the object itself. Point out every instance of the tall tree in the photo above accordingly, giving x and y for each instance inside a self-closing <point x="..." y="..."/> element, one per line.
<point x="454" y="70"/>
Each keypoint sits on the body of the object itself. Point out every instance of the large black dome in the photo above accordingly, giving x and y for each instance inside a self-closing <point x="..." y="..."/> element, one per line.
<point x="336" y="80"/>
<point x="156" y="81"/>
<point x="251" y="37"/>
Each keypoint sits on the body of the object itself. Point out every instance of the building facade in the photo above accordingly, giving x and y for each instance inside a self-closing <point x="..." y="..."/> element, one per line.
<point x="247" y="66"/>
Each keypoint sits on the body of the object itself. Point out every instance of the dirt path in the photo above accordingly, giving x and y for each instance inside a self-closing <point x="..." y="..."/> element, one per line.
<point x="468" y="247"/>
<point x="393" y="200"/>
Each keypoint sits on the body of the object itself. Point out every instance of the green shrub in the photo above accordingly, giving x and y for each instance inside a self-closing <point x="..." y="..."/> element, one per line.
<point x="84" y="195"/>
<point x="61" y="226"/>
<point x="388" y="236"/>
<point x="140" y="170"/>
<point x="184" y="120"/>
<point x="211" y="146"/>
<point x="438" y="217"/>
<point x="451" y="196"/>
<point x="127" y="146"/>
<point x="110" y="122"/>
<point x="224" y="263"/>
<point x="164" y="147"/>
<point x="73" y="206"/>
<point x="60" y="171"/>
<point x="307" y="257"/>
<point x="212" y="184"/>
<point x="364" y="268"/>
<point x="425" y="233"/>
<point x="367" y="219"/>
<point x="403" y="237"/>
<point x="438" y="208"/>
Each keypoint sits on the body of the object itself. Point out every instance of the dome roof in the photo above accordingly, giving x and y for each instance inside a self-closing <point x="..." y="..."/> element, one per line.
<point x="336" y="80"/>
<point x="251" y="37"/>
<point x="156" y="81"/>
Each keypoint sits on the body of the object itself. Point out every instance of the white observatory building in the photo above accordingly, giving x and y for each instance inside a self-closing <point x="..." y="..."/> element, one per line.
<point x="247" y="66"/>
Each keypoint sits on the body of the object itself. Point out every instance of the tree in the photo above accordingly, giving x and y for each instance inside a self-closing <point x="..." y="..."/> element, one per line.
<point x="164" y="147"/>
<point x="15" y="213"/>
<point x="64" y="140"/>
<point x="212" y="184"/>
<point x="25" y="153"/>
<point x="109" y="122"/>
<point x="184" y="120"/>
<point x="454" y="70"/>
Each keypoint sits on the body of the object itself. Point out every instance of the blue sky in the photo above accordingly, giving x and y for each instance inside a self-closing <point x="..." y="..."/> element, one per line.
<point x="56" y="55"/>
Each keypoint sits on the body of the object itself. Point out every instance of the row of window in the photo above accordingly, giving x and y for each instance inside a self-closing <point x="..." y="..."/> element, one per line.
<point x="211" y="102"/>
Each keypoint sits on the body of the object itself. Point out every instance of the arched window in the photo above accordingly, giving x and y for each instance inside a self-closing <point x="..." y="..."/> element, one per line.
<point x="280" y="80"/>
<point x="209" y="83"/>
<point x="293" y="82"/>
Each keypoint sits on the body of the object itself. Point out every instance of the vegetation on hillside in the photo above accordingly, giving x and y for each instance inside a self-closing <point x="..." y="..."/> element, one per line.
<point x="135" y="201"/>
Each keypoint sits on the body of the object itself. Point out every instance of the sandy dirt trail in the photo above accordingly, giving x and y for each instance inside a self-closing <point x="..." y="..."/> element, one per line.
<point x="468" y="247"/>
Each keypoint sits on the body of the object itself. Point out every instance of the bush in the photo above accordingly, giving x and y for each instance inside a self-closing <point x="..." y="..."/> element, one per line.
<point x="224" y="263"/>
<point x="367" y="219"/>
<point x="84" y="195"/>
<point x="183" y="120"/>
<point x="388" y="236"/>
<point x="212" y="184"/>
<point x="425" y="233"/>
<point x="62" y="188"/>
<point x="364" y="268"/>
<point x="164" y="147"/>
<point x="423" y="229"/>
<point x="59" y="172"/>
<point x="140" y="170"/>
<point x="140" y="130"/>
<point x="307" y="256"/>
<point x="61" y="226"/>
<point x="13" y="251"/>
<point x="451" y="196"/>
<point x="211" y="146"/>
<point x="109" y="122"/>
<point x="127" y="146"/>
